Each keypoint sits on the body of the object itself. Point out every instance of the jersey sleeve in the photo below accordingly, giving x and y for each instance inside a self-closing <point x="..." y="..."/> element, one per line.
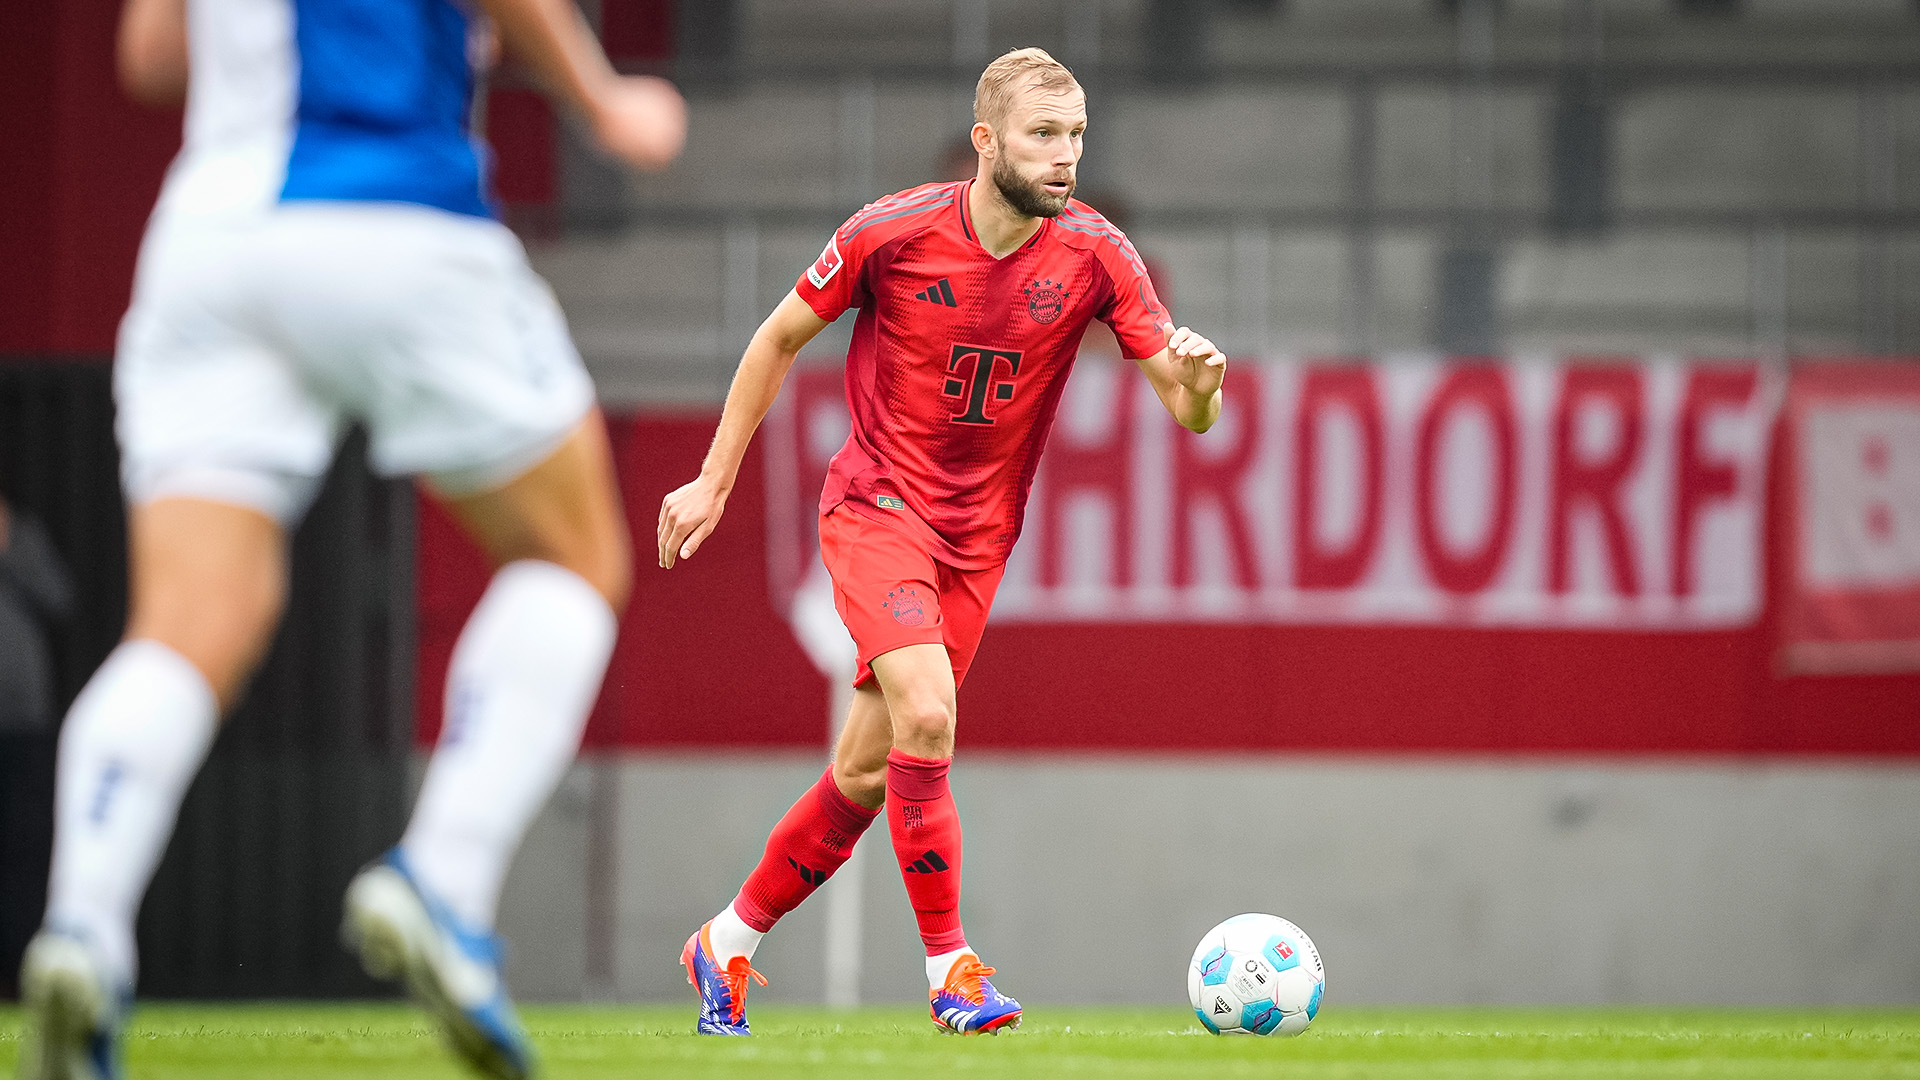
<point x="830" y="285"/>
<point x="1134" y="311"/>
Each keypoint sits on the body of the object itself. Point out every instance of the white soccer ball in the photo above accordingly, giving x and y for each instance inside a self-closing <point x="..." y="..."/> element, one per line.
<point x="1256" y="975"/>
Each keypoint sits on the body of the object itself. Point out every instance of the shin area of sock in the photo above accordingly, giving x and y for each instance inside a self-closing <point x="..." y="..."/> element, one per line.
<point x="811" y="841"/>
<point x="925" y="826"/>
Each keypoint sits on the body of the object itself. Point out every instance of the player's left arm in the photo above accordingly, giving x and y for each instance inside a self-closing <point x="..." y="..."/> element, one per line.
<point x="151" y="52"/>
<point x="1187" y="375"/>
<point x="690" y="512"/>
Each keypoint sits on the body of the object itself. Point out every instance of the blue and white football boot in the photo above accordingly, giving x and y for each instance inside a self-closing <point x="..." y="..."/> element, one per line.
<point x="453" y="971"/>
<point x="74" y="1008"/>
<point x="723" y="991"/>
<point x="968" y="1004"/>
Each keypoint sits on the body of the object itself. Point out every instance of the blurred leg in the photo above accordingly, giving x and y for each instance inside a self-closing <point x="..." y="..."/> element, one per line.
<point x="526" y="670"/>
<point x="207" y="588"/>
<point x="209" y="580"/>
<point x="565" y="510"/>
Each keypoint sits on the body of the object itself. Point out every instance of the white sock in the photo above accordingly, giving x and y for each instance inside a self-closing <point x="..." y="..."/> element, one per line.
<point x="732" y="937"/>
<point x="939" y="966"/>
<point x="524" y="676"/>
<point x="132" y="743"/>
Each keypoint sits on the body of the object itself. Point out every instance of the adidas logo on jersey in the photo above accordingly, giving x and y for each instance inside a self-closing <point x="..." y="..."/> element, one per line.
<point x="938" y="293"/>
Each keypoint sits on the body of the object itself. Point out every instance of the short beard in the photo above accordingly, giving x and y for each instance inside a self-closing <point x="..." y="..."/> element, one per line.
<point x="1026" y="197"/>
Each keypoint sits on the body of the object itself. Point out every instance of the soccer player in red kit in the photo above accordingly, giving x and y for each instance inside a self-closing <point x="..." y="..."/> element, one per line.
<point x="973" y="297"/>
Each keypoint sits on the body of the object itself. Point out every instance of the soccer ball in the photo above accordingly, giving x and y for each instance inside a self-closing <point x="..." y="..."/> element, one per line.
<point x="1256" y="975"/>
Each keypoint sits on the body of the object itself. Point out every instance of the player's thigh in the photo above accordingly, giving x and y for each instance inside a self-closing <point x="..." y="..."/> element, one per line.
<point x="222" y="446"/>
<point x="208" y="580"/>
<point x="918" y="683"/>
<point x="563" y="510"/>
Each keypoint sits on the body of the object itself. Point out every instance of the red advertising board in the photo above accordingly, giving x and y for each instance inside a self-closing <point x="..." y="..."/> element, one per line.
<point x="1461" y="558"/>
<point x="1853" y="491"/>
<point x="1604" y="493"/>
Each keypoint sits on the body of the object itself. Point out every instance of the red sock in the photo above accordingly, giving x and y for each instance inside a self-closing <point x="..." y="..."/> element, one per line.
<point x="926" y="840"/>
<point x="806" y="847"/>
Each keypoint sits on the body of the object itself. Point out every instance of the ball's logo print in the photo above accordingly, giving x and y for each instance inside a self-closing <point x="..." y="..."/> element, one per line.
<point x="905" y="604"/>
<point x="1046" y="300"/>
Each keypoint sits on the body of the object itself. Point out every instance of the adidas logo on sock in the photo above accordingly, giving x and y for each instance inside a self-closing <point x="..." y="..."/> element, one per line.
<point x="928" y="863"/>
<point x="807" y="873"/>
<point x="938" y="293"/>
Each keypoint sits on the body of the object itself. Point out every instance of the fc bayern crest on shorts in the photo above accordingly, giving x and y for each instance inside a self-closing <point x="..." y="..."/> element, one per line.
<point x="905" y="604"/>
<point x="1045" y="300"/>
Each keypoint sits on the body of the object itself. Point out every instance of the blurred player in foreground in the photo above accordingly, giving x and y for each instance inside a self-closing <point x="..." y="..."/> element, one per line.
<point x="973" y="296"/>
<point x="323" y="251"/>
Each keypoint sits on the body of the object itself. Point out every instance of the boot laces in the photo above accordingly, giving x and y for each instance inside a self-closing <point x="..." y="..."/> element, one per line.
<point x="964" y="979"/>
<point x="735" y="976"/>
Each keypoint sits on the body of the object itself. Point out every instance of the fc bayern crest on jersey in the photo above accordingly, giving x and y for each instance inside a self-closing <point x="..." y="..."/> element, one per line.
<point x="1045" y="300"/>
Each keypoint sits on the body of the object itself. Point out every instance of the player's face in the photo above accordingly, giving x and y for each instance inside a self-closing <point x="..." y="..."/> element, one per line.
<point x="1039" y="151"/>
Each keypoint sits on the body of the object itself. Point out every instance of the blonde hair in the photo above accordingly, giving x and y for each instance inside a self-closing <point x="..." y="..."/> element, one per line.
<point x="1006" y="76"/>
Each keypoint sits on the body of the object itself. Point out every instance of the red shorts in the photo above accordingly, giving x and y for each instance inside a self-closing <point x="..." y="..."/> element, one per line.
<point x="891" y="593"/>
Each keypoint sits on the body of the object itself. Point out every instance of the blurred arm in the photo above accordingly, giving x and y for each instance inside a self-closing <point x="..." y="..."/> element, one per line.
<point x="152" y="51"/>
<point x="642" y="120"/>
<point x="689" y="514"/>
<point x="551" y="37"/>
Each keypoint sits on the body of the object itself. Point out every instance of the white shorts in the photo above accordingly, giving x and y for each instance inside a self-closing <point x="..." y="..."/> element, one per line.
<point x="251" y="344"/>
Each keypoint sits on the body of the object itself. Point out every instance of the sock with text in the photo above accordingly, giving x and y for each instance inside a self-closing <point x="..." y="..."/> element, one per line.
<point x="812" y="841"/>
<point x="926" y="840"/>
<point x="521" y="684"/>
<point x="131" y="745"/>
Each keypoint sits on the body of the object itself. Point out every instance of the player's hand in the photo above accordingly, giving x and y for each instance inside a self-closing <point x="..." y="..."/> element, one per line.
<point x="687" y="515"/>
<point x="1197" y="363"/>
<point x="641" y="120"/>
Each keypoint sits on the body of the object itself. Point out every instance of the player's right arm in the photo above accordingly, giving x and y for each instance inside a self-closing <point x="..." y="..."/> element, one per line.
<point x="151" y="51"/>
<point x="639" y="119"/>
<point x="689" y="513"/>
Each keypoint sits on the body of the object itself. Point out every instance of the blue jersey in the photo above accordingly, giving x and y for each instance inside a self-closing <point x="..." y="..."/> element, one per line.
<point x="334" y="100"/>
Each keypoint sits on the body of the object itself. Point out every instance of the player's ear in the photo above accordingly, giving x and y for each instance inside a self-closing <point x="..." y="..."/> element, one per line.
<point x="985" y="142"/>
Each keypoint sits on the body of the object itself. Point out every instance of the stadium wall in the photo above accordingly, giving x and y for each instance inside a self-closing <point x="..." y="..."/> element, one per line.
<point x="1457" y="812"/>
<point x="1457" y="879"/>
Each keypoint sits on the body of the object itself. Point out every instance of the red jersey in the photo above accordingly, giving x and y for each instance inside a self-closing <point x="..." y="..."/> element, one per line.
<point x="959" y="359"/>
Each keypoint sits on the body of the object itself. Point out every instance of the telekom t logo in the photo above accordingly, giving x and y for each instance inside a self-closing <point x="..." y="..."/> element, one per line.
<point x="974" y="374"/>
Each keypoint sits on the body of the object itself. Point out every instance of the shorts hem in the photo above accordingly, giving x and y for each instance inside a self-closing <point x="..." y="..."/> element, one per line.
<point x="863" y="670"/>
<point x="282" y="496"/>
<point x="497" y="472"/>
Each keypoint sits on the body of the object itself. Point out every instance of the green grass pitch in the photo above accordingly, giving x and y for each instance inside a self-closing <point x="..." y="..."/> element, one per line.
<point x="381" y="1041"/>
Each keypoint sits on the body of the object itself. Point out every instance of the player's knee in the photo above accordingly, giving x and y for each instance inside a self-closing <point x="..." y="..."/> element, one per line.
<point x="923" y="719"/>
